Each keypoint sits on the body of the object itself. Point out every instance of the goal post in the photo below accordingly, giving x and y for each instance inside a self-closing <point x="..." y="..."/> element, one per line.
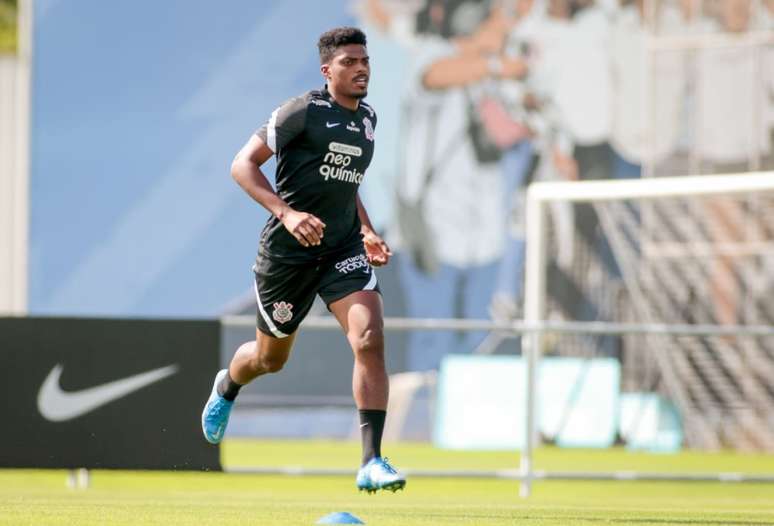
<point x="541" y="196"/>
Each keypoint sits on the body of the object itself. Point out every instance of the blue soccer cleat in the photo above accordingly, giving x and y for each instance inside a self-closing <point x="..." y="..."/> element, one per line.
<point x="378" y="474"/>
<point x="216" y="413"/>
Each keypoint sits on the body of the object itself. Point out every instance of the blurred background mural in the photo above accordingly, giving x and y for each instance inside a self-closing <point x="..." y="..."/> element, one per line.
<point x="138" y="108"/>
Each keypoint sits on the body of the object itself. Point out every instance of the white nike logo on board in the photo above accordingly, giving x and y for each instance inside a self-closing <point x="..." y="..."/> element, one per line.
<point x="57" y="405"/>
<point x="331" y="124"/>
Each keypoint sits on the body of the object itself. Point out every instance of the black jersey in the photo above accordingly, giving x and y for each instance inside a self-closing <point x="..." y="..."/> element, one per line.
<point x="323" y="150"/>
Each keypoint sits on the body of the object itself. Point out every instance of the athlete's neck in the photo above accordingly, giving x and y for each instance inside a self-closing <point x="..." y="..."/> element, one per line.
<point x="351" y="103"/>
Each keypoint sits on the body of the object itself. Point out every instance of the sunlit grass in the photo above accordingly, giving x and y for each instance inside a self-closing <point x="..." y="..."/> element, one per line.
<point x="129" y="497"/>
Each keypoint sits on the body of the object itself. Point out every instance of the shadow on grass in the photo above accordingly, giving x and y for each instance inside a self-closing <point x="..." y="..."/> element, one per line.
<point x="607" y="520"/>
<point x="653" y="520"/>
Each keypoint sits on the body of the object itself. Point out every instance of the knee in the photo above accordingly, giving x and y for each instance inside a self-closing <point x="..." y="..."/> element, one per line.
<point x="272" y="364"/>
<point x="268" y="363"/>
<point x="369" y="341"/>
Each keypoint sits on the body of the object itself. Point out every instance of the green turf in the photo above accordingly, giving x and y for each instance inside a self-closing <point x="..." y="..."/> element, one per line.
<point x="40" y="497"/>
<point x="337" y="454"/>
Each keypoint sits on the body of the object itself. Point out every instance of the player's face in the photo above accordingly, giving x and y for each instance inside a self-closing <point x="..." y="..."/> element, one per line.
<point x="348" y="71"/>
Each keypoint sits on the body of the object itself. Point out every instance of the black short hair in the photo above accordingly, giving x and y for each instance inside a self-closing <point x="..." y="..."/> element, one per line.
<point x="331" y="40"/>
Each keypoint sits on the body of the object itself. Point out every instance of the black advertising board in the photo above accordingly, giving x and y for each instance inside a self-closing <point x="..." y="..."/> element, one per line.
<point x="106" y="393"/>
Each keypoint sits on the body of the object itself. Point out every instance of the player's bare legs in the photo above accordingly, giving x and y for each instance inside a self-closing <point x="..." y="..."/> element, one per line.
<point x="360" y="315"/>
<point x="265" y="354"/>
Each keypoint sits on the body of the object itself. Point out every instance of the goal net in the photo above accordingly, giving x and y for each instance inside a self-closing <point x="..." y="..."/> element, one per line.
<point x="693" y="251"/>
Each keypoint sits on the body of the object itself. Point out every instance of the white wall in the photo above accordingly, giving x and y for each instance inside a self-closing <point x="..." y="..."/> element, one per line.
<point x="13" y="199"/>
<point x="14" y="168"/>
<point x="14" y="125"/>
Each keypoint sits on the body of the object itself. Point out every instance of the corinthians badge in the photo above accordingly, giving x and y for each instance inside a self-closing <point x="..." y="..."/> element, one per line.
<point x="283" y="312"/>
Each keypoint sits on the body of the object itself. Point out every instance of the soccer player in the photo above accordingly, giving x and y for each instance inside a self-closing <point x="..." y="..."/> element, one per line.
<point x="318" y="240"/>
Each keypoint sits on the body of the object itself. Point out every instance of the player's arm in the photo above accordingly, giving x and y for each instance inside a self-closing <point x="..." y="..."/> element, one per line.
<point x="377" y="251"/>
<point x="477" y="57"/>
<point x="464" y="69"/>
<point x="246" y="171"/>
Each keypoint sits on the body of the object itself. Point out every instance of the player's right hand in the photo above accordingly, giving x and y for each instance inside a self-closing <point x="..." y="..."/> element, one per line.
<point x="306" y="228"/>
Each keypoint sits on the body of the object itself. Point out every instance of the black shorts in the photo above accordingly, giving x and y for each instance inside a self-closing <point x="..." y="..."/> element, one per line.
<point x="285" y="291"/>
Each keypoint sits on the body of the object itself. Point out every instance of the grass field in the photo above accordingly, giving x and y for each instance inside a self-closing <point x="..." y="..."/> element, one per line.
<point x="121" y="497"/>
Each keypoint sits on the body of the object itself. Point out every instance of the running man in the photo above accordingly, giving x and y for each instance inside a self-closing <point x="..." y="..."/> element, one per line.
<point x="318" y="240"/>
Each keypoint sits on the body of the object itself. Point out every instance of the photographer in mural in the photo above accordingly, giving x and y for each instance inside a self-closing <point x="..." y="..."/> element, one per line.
<point x="449" y="218"/>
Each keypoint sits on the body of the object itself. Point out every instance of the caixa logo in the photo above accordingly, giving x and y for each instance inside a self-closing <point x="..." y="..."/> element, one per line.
<point x="336" y="161"/>
<point x="353" y="263"/>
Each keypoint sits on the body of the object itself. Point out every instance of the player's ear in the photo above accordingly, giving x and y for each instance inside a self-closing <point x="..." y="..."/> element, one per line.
<point x="325" y="69"/>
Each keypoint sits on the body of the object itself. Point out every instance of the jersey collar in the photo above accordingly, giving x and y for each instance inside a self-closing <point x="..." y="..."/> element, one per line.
<point x="329" y="98"/>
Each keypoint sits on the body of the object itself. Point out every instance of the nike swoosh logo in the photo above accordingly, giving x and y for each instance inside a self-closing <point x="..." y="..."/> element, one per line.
<point x="331" y="124"/>
<point x="57" y="405"/>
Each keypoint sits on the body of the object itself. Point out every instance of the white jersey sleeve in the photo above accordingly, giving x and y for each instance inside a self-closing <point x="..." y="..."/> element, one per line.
<point x="285" y="124"/>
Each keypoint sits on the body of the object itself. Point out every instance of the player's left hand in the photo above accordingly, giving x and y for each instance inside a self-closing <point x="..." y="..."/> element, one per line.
<point x="377" y="251"/>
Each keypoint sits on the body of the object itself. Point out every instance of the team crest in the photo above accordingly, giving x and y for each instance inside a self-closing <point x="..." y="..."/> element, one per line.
<point x="283" y="312"/>
<point x="369" y="129"/>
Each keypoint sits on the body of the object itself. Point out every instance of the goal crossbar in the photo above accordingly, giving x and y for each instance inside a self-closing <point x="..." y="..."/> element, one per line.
<point x="651" y="188"/>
